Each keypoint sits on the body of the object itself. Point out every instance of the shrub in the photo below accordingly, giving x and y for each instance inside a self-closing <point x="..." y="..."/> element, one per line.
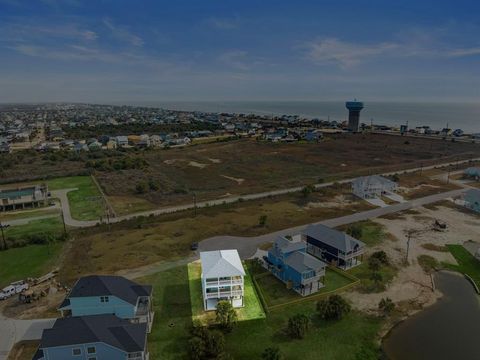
<point x="386" y="305"/>
<point x="380" y="256"/>
<point x="374" y="264"/>
<point x="355" y="231"/>
<point x="333" y="308"/>
<point x="272" y="353"/>
<point x="141" y="188"/>
<point x="226" y="315"/>
<point x="262" y="220"/>
<point x="298" y="326"/>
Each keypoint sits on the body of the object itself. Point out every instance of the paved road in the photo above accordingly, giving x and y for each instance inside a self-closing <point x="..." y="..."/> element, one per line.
<point x="12" y="331"/>
<point x="62" y="195"/>
<point x="247" y="246"/>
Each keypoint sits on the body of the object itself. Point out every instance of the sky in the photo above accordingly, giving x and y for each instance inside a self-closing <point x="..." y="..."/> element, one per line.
<point x="222" y="50"/>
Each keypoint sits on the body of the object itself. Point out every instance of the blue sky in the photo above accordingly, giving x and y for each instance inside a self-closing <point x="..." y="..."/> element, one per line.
<point x="118" y="50"/>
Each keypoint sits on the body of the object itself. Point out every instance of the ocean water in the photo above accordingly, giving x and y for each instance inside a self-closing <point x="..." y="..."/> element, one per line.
<point x="436" y="115"/>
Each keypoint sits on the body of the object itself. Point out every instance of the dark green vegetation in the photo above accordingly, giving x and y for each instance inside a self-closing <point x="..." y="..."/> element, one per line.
<point x="375" y="273"/>
<point x="354" y="335"/>
<point x="370" y="232"/>
<point x="467" y="263"/>
<point x="41" y="231"/>
<point x="85" y="132"/>
<point x="28" y="261"/>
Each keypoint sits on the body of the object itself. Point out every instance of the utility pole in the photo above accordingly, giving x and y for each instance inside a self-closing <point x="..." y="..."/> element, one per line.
<point x="409" y="237"/>
<point x="195" y="204"/>
<point x="5" y="247"/>
<point x="64" y="226"/>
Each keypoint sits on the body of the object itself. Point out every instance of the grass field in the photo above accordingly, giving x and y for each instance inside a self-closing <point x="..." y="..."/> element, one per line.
<point x="86" y="203"/>
<point x="422" y="185"/>
<point x="251" y="311"/>
<point x="356" y="333"/>
<point x="467" y="263"/>
<point x="24" y="350"/>
<point x="19" y="233"/>
<point x="372" y="233"/>
<point x="141" y="242"/>
<point x="15" y="215"/>
<point x="275" y="291"/>
<point x="28" y="261"/>
<point x="367" y="285"/>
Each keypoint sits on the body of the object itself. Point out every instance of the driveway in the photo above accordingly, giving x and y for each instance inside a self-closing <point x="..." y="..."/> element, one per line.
<point x="13" y="331"/>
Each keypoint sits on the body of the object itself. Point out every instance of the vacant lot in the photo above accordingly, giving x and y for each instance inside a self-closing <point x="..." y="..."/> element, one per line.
<point x="416" y="185"/>
<point x="28" y="261"/>
<point x="145" y="241"/>
<point x="246" y="166"/>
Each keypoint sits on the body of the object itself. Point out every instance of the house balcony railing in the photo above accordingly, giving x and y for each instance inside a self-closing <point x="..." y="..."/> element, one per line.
<point x="350" y="254"/>
<point x="223" y="294"/>
<point x="224" y="282"/>
<point x="313" y="278"/>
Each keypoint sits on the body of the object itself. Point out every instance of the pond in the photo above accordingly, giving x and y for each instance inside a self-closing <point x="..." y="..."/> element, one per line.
<point x="450" y="329"/>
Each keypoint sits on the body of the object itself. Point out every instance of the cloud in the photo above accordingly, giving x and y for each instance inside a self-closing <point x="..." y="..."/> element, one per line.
<point x="345" y="54"/>
<point x="237" y="59"/>
<point x="24" y="31"/>
<point x="464" y="52"/>
<point x="123" y="34"/>
<point x="223" y="23"/>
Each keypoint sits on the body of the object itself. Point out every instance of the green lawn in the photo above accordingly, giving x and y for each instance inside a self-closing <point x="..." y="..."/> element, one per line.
<point x="367" y="285"/>
<point x="86" y="203"/>
<point x="371" y="232"/>
<point x="275" y="291"/>
<point x="251" y="311"/>
<point x="53" y="225"/>
<point x="325" y="340"/>
<point x="28" y="261"/>
<point x="467" y="263"/>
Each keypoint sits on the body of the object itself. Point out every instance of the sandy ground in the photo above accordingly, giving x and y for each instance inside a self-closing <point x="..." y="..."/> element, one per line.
<point x="412" y="286"/>
<point x="44" y="307"/>
<point x="239" y="181"/>
<point x="339" y="201"/>
<point x="215" y="161"/>
<point x="197" y="164"/>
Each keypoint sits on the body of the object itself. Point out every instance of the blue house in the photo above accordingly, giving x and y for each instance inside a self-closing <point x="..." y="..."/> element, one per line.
<point x="93" y="337"/>
<point x="472" y="172"/>
<point x="472" y="200"/>
<point x="105" y="294"/>
<point x="289" y="261"/>
<point x="333" y="246"/>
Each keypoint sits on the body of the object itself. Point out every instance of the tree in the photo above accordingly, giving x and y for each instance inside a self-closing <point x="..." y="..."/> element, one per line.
<point x="374" y="264"/>
<point x="333" y="308"/>
<point x="226" y="315"/>
<point x="307" y="190"/>
<point x="272" y="353"/>
<point x="262" y="220"/>
<point x="376" y="277"/>
<point x="298" y="326"/>
<point x="141" y="188"/>
<point x="214" y="343"/>
<point x="153" y="185"/>
<point x="381" y="256"/>
<point x="355" y="231"/>
<point x="386" y="305"/>
<point x="197" y="349"/>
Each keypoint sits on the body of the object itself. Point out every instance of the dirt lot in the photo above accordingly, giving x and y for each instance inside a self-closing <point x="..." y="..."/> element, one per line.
<point x="415" y="185"/>
<point x="246" y="166"/>
<point x="412" y="287"/>
<point x="24" y="350"/>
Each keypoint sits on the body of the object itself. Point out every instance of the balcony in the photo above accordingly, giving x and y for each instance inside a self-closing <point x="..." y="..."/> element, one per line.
<point x="223" y="294"/>
<point x="350" y="255"/>
<point x="218" y="282"/>
<point x="309" y="280"/>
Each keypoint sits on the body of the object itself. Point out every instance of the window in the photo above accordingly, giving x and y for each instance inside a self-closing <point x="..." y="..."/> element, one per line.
<point x="76" y="351"/>
<point x="91" y="350"/>
<point x="104" y="299"/>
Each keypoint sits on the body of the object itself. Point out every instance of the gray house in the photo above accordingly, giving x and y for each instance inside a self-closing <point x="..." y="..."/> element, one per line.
<point x="23" y="197"/>
<point x="333" y="246"/>
<point x="369" y="187"/>
<point x="93" y="338"/>
<point x="472" y="173"/>
<point x="472" y="200"/>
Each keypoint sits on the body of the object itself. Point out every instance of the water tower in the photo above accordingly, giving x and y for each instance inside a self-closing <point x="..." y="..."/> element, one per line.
<point x="354" y="107"/>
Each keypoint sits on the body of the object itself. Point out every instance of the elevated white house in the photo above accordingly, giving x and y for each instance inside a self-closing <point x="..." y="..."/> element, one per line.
<point x="222" y="278"/>
<point x="369" y="187"/>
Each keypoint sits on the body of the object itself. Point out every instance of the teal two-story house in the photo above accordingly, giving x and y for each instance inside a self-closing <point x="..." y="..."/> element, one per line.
<point x="289" y="261"/>
<point x="472" y="200"/>
<point x="94" y="337"/>
<point x="105" y="294"/>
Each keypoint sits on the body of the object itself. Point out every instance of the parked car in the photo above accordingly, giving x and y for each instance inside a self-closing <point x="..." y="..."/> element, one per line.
<point x="20" y="286"/>
<point x="7" y="292"/>
<point x="194" y="246"/>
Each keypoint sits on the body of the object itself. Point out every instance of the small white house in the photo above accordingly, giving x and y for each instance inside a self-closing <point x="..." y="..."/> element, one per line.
<point x="222" y="278"/>
<point x="370" y="187"/>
